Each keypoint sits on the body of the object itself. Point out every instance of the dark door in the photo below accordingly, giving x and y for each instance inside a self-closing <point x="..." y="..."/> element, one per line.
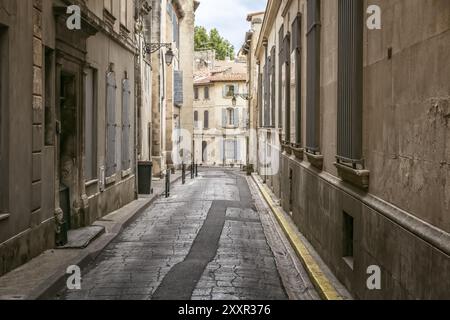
<point x="67" y="143"/>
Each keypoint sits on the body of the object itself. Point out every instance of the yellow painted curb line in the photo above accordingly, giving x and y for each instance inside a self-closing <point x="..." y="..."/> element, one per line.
<point x="323" y="285"/>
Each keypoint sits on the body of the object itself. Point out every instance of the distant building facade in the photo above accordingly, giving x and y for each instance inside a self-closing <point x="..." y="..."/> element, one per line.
<point x="220" y="112"/>
<point x="351" y="130"/>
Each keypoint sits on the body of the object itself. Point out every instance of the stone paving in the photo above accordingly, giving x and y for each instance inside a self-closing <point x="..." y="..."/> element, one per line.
<point x="206" y="241"/>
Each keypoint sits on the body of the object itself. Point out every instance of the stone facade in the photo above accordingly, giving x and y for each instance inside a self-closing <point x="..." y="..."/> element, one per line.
<point x="390" y="210"/>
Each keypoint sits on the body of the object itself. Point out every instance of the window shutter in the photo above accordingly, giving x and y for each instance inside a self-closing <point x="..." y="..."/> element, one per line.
<point x="206" y="121"/>
<point x="224" y="118"/>
<point x="224" y="91"/>
<point x="313" y="76"/>
<point x="280" y="76"/>
<point x="350" y="81"/>
<point x="126" y="125"/>
<point x="236" y="89"/>
<point x="238" y="150"/>
<point x="236" y="117"/>
<point x="178" y="88"/>
<point x="111" y="164"/>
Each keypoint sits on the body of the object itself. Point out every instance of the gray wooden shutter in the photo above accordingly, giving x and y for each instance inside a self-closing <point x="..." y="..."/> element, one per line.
<point x="111" y="126"/>
<point x="297" y="46"/>
<point x="280" y="76"/>
<point x="206" y="120"/>
<point x="126" y="125"/>
<point x="236" y="117"/>
<point x="287" y="65"/>
<point x="313" y="77"/>
<point x="273" y="87"/>
<point x="238" y="150"/>
<point x="178" y="88"/>
<point x="350" y="81"/>
<point x="224" y="118"/>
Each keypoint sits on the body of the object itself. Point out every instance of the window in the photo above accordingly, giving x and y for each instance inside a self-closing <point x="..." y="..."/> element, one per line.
<point x="126" y="125"/>
<point x="296" y="84"/>
<point x="196" y="93"/>
<point x="348" y="238"/>
<point x="124" y="13"/>
<point x="266" y="111"/>
<point x="230" y="117"/>
<point x="260" y="100"/>
<point x="229" y="91"/>
<point x="178" y="97"/>
<point x="231" y="150"/>
<point x="196" y="119"/>
<point x="280" y="77"/>
<point x="273" y="87"/>
<point x="206" y="93"/>
<point x="90" y="125"/>
<point x="313" y="77"/>
<point x="287" y="87"/>
<point x="350" y="82"/>
<point x="111" y="126"/>
<point x="206" y="120"/>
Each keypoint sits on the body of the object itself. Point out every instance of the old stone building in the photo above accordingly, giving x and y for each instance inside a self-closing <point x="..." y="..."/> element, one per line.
<point x="248" y="49"/>
<point x="220" y="112"/>
<point x="352" y="131"/>
<point x="173" y="27"/>
<point x="68" y="149"/>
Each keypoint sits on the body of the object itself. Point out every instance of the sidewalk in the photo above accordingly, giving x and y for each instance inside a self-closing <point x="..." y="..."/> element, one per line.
<point x="43" y="274"/>
<point x="327" y="285"/>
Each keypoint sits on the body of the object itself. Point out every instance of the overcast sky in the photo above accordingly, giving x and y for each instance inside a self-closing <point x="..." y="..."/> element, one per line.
<point x="229" y="17"/>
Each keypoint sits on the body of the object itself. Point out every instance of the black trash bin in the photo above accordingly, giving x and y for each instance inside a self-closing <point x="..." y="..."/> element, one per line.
<point x="145" y="176"/>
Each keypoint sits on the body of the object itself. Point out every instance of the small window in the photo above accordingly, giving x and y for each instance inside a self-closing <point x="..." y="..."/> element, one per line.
<point x="229" y="91"/>
<point x="348" y="232"/>
<point x="196" y="119"/>
<point x="196" y="93"/>
<point x="206" y="93"/>
<point x="206" y="120"/>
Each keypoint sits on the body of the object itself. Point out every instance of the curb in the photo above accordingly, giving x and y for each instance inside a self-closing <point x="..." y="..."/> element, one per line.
<point x="320" y="281"/>
<point x="52" y="285"/>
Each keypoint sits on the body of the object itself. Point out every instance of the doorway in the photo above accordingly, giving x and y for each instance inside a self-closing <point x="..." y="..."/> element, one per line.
<point x="67" y="144"/>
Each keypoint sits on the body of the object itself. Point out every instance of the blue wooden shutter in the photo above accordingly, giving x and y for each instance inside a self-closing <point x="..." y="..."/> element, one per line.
<point x="126" y="125"/>
<point x="111" y="126"/>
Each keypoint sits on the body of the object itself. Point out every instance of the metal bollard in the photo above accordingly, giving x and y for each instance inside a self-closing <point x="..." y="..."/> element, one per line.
<point x="196" y="170"/>
<point x="167" y="183"/>
<point x="183" y="173"/>
<point x="192" y="170"/>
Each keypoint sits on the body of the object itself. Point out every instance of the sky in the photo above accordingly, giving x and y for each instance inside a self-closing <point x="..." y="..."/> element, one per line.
<point x="229" y="17"/>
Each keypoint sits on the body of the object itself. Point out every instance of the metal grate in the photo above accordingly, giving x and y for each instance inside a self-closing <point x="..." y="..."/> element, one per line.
<point x="350" y="81"/>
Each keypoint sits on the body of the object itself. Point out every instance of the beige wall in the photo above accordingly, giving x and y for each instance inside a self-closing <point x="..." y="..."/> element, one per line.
<point x="401" y="223"/>
<point x="214" y="134"/>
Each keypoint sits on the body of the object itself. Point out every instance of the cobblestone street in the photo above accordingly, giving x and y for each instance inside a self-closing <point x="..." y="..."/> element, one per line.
<point x="213" y="238"/>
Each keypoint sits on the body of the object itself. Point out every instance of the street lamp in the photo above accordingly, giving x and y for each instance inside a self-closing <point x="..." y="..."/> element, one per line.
<point x="153" y="47"/>
<point x="169" y="57"/>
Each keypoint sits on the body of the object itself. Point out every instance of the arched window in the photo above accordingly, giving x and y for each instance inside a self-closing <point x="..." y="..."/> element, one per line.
<point x="206" y="122"/>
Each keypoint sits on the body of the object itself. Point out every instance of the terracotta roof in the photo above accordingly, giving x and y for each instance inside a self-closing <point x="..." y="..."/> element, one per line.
<point x="224" y="77"/>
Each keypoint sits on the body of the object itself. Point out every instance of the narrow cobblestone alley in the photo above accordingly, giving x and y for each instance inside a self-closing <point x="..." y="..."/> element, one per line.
<point x="211" y="239"/>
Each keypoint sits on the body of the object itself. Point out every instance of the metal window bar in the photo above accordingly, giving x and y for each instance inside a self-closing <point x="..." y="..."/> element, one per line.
<point x="313" y="77"/>
<point x="350" y="82"/>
